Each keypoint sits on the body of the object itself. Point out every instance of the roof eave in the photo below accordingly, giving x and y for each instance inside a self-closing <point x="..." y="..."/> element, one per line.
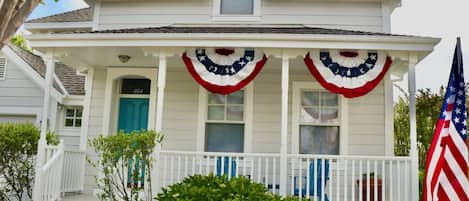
<point x="398" y="43"/>
<point x="58" y="25"/>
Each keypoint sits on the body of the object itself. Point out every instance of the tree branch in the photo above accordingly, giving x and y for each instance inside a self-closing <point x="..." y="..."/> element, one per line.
<point x="17" y="19"/>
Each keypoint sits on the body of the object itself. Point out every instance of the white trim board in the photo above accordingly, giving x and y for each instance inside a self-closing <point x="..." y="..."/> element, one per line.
<point x="397" y="43"/>
<point x="28" y="70"/>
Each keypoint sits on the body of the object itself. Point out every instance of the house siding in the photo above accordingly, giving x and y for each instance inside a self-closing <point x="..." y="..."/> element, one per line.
<point x="18" y="90"/>
<point x="366" y="16"/>
<point x="180" y="116"/>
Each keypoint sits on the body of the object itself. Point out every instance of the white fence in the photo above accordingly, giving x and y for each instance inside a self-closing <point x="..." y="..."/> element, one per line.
<point x="50" y="175"/>
<point x="321" y="177"/>
<point x="350" y="178"/>
<point x="72" y="174"/>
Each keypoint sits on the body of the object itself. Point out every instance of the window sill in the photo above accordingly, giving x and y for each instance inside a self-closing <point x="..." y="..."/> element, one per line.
<point x="236" y="18"/>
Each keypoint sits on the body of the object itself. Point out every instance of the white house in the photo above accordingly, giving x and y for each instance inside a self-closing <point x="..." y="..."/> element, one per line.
<point x="309" y="84"/>
<point x="22" y="87"/>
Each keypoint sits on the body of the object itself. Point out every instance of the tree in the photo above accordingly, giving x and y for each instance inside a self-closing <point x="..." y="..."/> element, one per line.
<point x="428" y="108"/>
<point x="20" y="41"/>
<point x="13" y="13"/>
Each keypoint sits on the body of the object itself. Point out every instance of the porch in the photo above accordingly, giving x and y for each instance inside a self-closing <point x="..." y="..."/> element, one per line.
<point x="286" y="131"/>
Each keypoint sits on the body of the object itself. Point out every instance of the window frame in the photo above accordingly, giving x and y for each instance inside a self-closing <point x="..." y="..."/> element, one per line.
<point x="218" y="16"/>
<point x="247" y="118"/>
<point x="74" y="118"/>
<point x="298" y="88"/>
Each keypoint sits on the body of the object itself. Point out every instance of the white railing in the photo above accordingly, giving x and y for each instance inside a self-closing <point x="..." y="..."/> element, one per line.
<point x="50" y="175"/>
<point x="172" y="167"/>
<point x="351" y="178"/>
<point x="348" y="178"/>
<point x="72" y="174"/>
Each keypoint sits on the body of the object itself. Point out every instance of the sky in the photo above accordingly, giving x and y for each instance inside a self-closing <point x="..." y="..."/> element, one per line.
<point x="444" y="19"/>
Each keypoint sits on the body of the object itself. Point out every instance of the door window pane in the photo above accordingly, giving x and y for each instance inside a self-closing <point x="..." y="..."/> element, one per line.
<point x="237" y="7"/>
<point x="309" y="115"/>
<point x="310" y="98"/>
<point x="319" y="139"/>
<point x="135" y="86"/>
<point x="224" y="137"/>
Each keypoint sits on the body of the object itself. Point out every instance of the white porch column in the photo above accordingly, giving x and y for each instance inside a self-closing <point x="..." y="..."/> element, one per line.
<point x="284" y="124"/>
<point x="161" y="85"/>
<point x="86" y="108"/>
<point x="50" y="68"/>
<point x="156" y="184"/>
<point x="413" y="129"/>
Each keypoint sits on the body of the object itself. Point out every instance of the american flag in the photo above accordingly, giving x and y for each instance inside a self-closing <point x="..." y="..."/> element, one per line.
<point x="446" y="168"/>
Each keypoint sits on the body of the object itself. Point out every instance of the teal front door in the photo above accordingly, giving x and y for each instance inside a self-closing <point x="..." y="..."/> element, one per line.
<point x="133" y="114"/>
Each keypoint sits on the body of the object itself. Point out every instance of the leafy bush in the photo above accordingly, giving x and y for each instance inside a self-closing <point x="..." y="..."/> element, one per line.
<point x="118" y="153"/>
<point x="18" y="148"/>
<point x="216" y="188"/>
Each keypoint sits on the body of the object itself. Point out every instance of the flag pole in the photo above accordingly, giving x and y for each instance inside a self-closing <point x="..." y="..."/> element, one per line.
<point x="458" y="54"/>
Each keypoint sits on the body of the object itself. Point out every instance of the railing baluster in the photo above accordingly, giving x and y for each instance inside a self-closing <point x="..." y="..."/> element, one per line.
<point x="360" y="180"/>
<point x="337" y="190"/>
<point x="292" y="162"/>
<point x="207" y="164"/>
<point x="391" y="180"/>
<point x="308" y="175"/>
<point x="383" y="179"/>
<point x="406" y="182"/>
<point x="274" y="173"/>
<point x="375" y="179"/>
<point x="315" y="178"/>
<point x="368" y="180"/>
<point x="399" y="196"/>
<point x="259" y="169"/>
<point x="345" y="178"/>
<point x="266" y="173"/>
<point x="323" y="178"/>
<point x="300" y="178"/>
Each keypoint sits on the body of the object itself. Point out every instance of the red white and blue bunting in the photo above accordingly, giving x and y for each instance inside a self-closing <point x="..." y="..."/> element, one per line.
<point x="350" y="73"/>
<point x="222" y="70"/>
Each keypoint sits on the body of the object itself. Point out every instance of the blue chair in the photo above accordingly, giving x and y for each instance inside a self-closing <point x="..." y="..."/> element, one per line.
<point x="226" y="166"/>
<point x="318" y="180"/>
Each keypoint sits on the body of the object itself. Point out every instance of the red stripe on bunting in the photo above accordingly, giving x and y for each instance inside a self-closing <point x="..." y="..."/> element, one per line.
<point x="349" y="93"/>
<point x="222" y="89"/>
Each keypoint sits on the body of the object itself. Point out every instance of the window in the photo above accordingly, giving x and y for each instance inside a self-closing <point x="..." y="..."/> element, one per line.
<point x="73" y="117"/>
<point x="319" y="123"/>
<point x="3" y="67"/>
<point x="224" y="128"/>
<point x="135" y="86"/>
<point x="237" y="7"/>
<point x="236" y="10"/>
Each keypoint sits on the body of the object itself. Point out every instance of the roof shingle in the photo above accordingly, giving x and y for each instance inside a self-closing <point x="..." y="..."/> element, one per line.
<point x="80" y="15"/>
<point x="73" y="83"/>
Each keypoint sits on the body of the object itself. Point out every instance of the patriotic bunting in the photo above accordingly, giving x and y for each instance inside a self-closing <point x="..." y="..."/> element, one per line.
<point x="222" y="70"/>
<point x="350" y="73"/>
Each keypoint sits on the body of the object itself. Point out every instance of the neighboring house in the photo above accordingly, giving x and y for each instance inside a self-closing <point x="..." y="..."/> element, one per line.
<point x="319" y="104"/>
<point x="22" y="88"/>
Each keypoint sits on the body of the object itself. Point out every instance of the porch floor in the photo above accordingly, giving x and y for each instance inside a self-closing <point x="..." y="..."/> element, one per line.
<point x="79" y="197"/>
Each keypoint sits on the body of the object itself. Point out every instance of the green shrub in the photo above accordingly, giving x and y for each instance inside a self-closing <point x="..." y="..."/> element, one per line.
<point x="216" y="188"/>
<point x="18" y="148"/>
<point x="116" y="154"/>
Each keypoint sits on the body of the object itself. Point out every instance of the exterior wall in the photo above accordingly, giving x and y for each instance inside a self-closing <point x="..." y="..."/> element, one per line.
<point x="71" y="136"/>
<point x="366" y="133"/>
<point x="19" y="91"/>
<point x="366" y="16"/>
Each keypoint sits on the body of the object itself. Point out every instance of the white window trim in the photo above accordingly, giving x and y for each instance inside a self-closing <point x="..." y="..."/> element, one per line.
<point x="217" y="16"/>
<point x="4" y="69"/>
<point x="65" y="117"/>
<point x="298" y="87"/>
<point x="248" y="113"/>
